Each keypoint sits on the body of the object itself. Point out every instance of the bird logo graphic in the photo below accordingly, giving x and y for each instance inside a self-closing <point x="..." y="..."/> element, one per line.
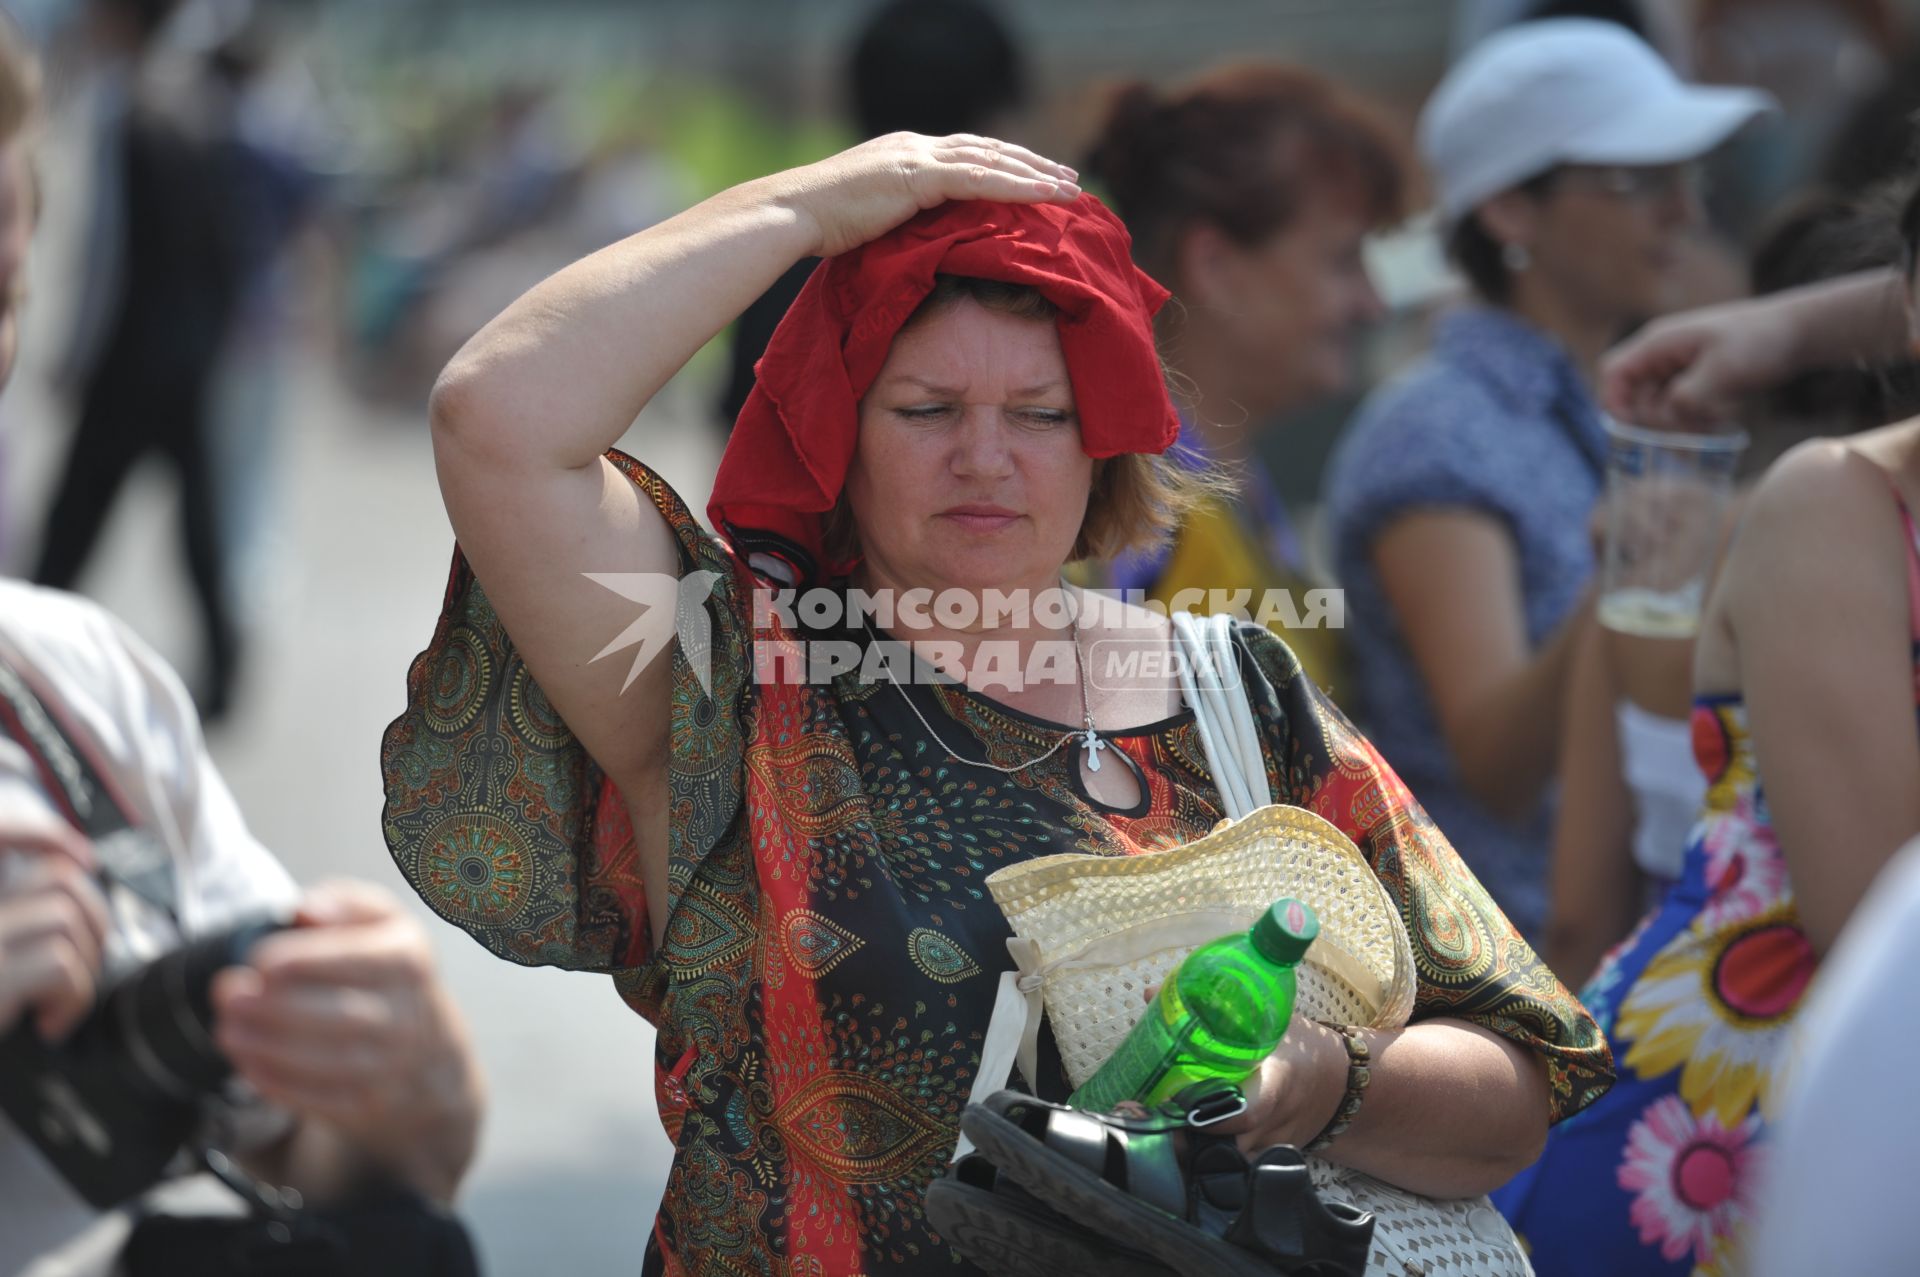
<point x="671" y="607"/>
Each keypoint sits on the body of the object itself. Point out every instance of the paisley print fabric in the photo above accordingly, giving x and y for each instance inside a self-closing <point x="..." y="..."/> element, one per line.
<point x="822" y="987"/>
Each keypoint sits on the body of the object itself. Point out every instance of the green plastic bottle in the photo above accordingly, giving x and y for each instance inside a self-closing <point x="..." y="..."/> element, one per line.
<point x="1221" y="1012"/>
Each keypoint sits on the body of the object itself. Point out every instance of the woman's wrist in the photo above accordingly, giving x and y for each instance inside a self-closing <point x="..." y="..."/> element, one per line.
<point x="789" y="194"/>
<point x="1306" y="1078"/>
<point x="1359" y="1077"/>
<point x="452" y="1105"/>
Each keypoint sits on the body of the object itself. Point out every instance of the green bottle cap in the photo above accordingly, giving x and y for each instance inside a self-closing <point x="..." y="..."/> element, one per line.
<point x="1284" y="931"/>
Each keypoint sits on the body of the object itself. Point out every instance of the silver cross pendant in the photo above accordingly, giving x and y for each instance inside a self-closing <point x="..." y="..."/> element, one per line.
<point x="1091" y="742"/>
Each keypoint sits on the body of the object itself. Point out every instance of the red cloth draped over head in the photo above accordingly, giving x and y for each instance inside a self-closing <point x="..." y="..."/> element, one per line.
<point x="788" y="457"/>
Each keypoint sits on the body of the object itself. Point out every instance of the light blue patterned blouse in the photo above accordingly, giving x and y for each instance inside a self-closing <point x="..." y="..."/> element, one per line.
<point x="1496" y="419"/>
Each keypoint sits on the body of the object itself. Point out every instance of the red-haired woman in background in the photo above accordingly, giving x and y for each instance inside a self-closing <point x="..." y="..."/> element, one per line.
<point x="1249" y="193"/>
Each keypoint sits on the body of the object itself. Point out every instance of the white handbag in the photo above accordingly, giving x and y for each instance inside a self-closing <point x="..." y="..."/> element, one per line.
<point x="1092" y="933"/>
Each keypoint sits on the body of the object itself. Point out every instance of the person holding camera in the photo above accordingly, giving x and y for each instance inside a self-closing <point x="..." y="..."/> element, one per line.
<point x="150" y="947"/>
<point x="358" y="1063"/>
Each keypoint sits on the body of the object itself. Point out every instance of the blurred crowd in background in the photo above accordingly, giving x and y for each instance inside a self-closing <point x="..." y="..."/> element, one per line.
<point x="410" y="168"/>
<point x="228" y="342"/>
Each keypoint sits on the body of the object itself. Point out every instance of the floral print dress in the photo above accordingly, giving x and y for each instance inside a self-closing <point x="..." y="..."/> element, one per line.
<point x="822" y="986"/>
<point x="1699" y="1004"/>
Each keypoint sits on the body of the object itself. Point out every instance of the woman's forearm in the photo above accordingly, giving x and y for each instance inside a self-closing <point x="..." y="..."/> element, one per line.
<point x="560" y="375"/>
<point x="1693" y="370"/>
<point x="1507" y="742"/>
<point x="1594" y="883"/>
<point x="1451" y="577"/>
<point x="1451" y="1110"/>
<point x="1857" y="319"/>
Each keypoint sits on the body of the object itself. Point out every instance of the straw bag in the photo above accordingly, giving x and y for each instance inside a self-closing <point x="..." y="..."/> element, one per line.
<point x="1092" y="933"/>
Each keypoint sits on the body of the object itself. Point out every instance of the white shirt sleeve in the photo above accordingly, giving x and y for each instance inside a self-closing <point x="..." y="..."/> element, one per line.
<point x="132" y="708"/>
<point x="223" y="871"/>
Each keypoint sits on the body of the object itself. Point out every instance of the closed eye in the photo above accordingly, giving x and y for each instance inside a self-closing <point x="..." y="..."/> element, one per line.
<point x="1032" y="417"/>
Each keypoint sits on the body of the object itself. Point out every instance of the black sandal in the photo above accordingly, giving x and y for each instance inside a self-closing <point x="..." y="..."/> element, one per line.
<point x="1002" y="1228"/>
<point x="1164" y="1184"/>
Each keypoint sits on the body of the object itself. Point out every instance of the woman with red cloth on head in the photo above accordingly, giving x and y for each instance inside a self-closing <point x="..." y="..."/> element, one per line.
<point x="782" y="864"/>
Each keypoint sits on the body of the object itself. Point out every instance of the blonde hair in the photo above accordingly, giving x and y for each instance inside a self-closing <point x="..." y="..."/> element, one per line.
<point x="19" y="96"/>
<point x="19" y="81"/>
<point x="1136" y="500"/>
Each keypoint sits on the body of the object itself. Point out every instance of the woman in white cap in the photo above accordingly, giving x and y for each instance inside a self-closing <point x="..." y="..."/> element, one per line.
<point x="1460" y="498"/>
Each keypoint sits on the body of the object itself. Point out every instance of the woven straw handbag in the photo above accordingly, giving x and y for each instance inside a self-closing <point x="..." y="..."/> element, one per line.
<point x="1093" y="933"/>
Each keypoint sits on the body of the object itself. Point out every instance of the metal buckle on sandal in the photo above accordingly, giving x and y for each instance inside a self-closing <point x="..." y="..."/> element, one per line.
<point x="1216" y="1107"/>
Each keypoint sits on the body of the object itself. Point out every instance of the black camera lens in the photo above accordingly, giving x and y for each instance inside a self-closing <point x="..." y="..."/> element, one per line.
<point x="112" y="1105"/>
<point x="159" y="1020"/>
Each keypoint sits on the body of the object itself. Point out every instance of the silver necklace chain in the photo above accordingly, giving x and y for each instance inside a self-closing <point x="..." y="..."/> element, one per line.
<point x="1089" y="738"/>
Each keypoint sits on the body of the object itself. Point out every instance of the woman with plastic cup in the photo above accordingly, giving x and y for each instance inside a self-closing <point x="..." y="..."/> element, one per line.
<point x="1629" y="791"/>
<point x="1807" y="676"/>
<point x="1460" y="498"/>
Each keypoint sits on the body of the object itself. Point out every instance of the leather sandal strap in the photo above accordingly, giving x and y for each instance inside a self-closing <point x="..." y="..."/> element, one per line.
<point x="1152" y="1170"/>
<point x="1135" y="1155"/>
<point x="1286" y="1220"/>
<point x="1278" y="1216"/>
<point x="1175" y="1161"/>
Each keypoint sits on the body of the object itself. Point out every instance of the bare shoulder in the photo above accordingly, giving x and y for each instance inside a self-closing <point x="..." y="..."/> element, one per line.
<point x="1895" y="449"/>
<point x="1820" y="485"/>
<point x="1822" y="518"/>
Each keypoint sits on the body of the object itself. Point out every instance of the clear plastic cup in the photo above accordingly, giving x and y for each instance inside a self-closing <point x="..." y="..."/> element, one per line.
<point x="1666" y="506"/>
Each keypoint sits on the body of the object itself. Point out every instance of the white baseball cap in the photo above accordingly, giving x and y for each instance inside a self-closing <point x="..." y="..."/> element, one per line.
<point x="1566" y="91"/>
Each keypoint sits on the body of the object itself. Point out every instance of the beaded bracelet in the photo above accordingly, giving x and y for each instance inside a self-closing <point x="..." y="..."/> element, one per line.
<point x="1359" y="1073"/>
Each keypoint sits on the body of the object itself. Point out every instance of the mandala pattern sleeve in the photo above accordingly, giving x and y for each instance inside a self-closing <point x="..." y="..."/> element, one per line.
<point x="504" y="824"/>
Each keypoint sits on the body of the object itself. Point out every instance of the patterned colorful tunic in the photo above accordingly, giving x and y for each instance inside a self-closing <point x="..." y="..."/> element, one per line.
<point x="823" y="984"/>
<point x="1659" y="1177"/>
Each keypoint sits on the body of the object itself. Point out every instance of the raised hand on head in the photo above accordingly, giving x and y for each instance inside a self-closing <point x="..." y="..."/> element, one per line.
<point x="866" y="191"/>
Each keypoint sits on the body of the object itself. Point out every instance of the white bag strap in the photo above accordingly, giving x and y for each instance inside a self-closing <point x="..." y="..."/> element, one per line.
<point x="1211" y="682"/>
